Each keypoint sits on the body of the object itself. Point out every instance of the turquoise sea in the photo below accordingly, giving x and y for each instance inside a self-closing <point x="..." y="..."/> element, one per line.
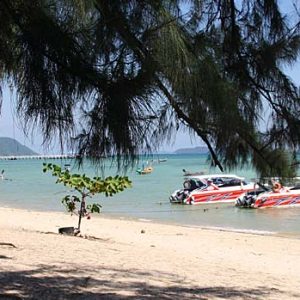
<point x="26" y="186"/>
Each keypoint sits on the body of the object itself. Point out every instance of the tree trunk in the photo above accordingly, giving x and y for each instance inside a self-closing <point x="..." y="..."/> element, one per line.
<point x="81" y="212"/>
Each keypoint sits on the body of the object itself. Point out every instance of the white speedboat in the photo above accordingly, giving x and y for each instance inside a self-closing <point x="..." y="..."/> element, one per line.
<point x="216" y="188"/>
<point x="278" y="196"/>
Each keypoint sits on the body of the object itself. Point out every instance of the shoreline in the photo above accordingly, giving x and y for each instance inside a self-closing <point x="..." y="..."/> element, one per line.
<point x="114" y="216"/>
<point x="131" y="259"/>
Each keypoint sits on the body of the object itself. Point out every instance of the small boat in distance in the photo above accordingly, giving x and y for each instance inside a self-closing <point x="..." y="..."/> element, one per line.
<point x="189" y="173"/>
<point x="277" y="196"/>
<point x="160" y="160"/>
<point x="217" y="188"/>
<point x="146" y="170"/>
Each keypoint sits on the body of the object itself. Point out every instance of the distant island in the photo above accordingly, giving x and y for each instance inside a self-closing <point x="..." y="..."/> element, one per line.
<point x="11" y="147"/>
<point x="195" y="150"/>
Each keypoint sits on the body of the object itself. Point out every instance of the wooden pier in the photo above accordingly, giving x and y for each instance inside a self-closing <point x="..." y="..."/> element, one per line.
<point x="44" y="157"/>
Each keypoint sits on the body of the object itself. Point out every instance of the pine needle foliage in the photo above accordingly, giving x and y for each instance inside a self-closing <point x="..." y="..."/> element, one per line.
<point x="118" y="78"/>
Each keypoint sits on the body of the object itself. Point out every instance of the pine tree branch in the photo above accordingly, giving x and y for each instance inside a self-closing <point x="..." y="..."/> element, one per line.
<point x="123" y="29"/>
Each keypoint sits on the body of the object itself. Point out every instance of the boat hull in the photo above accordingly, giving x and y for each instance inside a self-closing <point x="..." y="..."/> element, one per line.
<point x="285" y="198"/>
<point x="280" y="200"/>
<point x="225" y="195"/>
<point x="145" y="171"/>
<point x="211" y="188"/>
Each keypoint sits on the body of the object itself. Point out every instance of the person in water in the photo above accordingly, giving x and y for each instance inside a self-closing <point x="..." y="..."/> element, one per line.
<point x="2" y="174"/>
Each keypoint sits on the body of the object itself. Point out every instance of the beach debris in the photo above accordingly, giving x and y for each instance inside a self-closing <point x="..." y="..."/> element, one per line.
<point x="92" y="238"/>
<point x="7" y="244"/>
<point x="67" y="230"/>
<point x="143" y="231"/>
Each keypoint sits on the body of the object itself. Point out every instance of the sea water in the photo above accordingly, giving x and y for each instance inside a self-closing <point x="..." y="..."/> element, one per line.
<point x="26" y="186"/>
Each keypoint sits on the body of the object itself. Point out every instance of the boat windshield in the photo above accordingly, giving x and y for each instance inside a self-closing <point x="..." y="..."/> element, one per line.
<point x="232" y="182"/>
<point x="193" y="183"/>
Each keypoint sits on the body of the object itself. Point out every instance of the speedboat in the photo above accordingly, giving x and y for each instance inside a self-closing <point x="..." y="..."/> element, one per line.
<point x="217" y="188"/>
<point x="264" y="197"/>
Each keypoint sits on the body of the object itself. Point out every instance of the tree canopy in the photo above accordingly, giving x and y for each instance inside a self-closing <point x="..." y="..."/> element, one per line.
<point x="116" y="78"/>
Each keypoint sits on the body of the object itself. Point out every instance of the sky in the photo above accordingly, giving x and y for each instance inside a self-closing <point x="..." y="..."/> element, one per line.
<point x="10" y="125"/>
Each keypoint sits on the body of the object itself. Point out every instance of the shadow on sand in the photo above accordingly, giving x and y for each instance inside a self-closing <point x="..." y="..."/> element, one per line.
<point x="56" y="283"/>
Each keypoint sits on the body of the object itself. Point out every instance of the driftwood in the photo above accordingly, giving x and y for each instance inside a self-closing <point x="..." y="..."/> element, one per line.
<point x="7" y="244"/>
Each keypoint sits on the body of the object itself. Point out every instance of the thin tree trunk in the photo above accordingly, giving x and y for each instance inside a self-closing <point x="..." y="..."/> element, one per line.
<point x="81" y="212"/>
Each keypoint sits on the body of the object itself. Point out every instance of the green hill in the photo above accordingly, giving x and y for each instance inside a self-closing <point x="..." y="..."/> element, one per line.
<point x="11" y="147"/>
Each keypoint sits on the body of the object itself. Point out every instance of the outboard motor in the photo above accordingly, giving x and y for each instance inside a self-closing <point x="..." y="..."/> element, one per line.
<point x="246" y="201"/>
<point x="179" y="196"/>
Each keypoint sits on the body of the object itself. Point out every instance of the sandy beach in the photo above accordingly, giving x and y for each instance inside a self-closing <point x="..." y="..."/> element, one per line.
<point x="126" y="259"/>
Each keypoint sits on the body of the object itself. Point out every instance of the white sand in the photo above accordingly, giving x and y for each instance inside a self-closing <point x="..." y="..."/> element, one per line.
<point x="164" y="262"/>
